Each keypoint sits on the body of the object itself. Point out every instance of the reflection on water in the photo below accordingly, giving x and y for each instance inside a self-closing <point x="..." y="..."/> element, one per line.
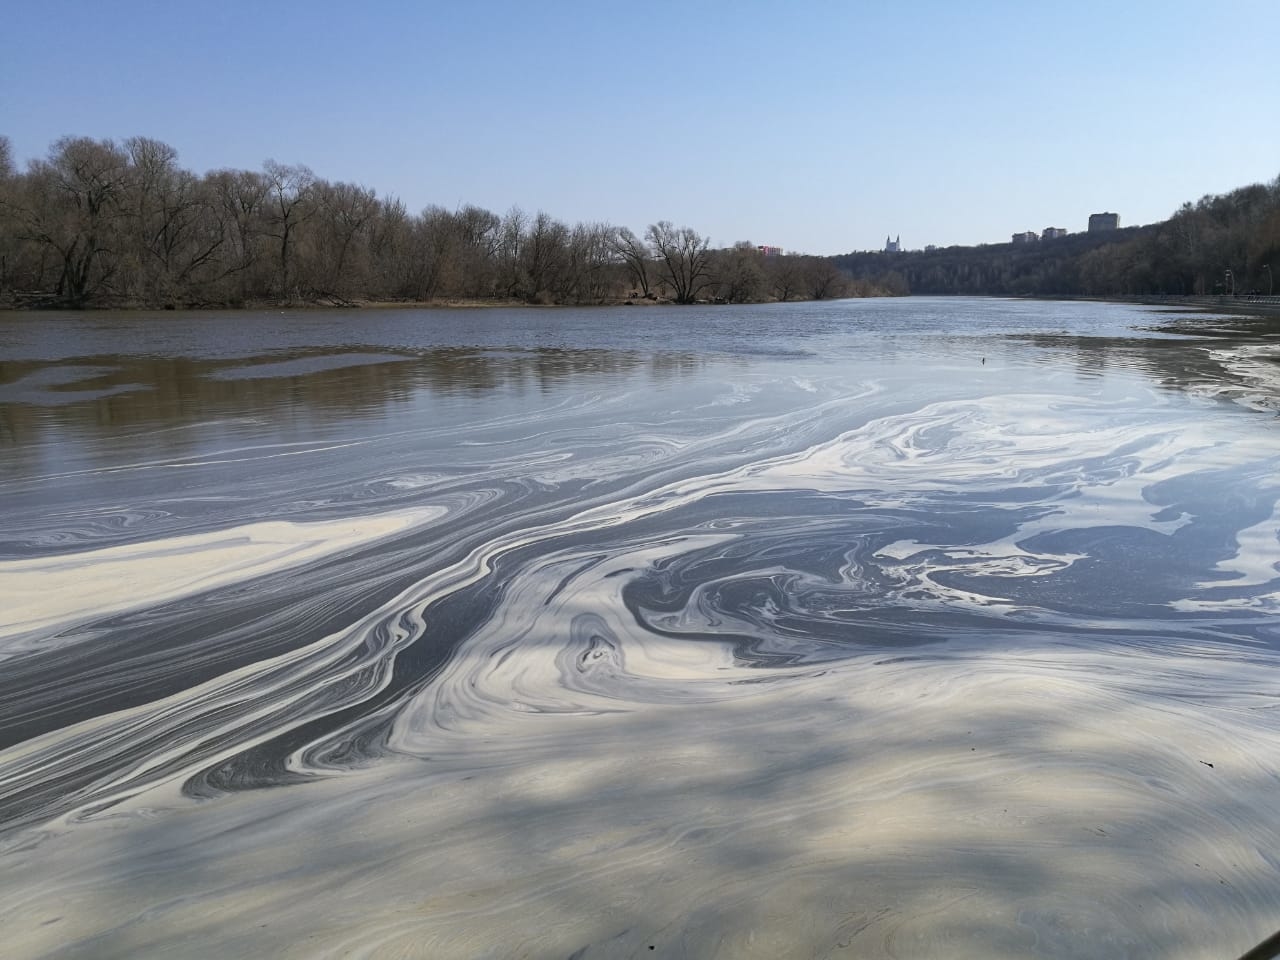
<point x="1205" y="367"/>
<point x="89" y="393"/>
<point x="925" y="628"/>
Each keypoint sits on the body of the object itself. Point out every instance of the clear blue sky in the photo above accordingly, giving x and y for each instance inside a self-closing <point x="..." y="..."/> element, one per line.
<point x="817" y="127"/>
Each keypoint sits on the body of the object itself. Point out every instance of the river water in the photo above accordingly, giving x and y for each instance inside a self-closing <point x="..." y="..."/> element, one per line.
<point x="909" y="628"/>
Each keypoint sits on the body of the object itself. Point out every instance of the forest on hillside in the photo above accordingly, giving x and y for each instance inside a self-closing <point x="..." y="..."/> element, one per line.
<point x="1226" y="243"/>
<point x="100" y="223"/>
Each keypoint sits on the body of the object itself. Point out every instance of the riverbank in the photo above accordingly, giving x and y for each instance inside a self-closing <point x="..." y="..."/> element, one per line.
<point x="317" y="303"/>
<point x="1248" y="306"/>
<point x="35" y="306"/>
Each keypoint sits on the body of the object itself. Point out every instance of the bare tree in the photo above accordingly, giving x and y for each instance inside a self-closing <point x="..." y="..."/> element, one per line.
<point x="435" y="243"/>
<point x="542" y="256"/>
<point x="785" y="275"/>
<point x="290" y="192"/>
<point x="824" y="279"/>
<point x="240" y="201"/>
<point x="739" y="273"/>
<point x="72" y="203"/>
<point x="683" y="259"/>
<point x="8" y="244"/>
<point x="508" y="261"/>
<point x="389" y="243"/>
<point x="590" y="260"/>
<point x="635" y="256"/>
<point x="344" y="212"/>
<point x="480" y="232"/>
<point x="172" y="223"/>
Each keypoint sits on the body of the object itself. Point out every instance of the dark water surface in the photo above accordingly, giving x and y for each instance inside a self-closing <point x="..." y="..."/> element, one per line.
<point x="912" y="628"/>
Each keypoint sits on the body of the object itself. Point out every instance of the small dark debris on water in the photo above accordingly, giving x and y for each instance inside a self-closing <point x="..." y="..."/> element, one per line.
<point x="1207" y="764"/>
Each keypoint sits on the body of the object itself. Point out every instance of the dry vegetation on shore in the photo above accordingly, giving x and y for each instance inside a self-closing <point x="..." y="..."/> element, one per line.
<point x="100" y="223"/>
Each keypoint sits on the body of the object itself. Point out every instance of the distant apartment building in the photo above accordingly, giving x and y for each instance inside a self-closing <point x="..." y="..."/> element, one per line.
<point x="893" y="246"/>
<point x="767" y="251"/>
<point x="1029" y="236"/>
<point x="1103" y="221"/>
<point x="1053" y="233"/>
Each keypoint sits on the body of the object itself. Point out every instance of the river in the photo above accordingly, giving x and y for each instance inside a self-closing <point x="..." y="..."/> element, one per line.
<point x="884" y="628"/>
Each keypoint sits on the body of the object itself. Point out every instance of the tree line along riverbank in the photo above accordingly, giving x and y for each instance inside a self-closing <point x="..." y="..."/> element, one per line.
<point x="100" y="223"/>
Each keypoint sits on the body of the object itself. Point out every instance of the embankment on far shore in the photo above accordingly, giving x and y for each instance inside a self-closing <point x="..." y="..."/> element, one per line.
<point x="45" y="302"/>
<point x="1249" y="306"/>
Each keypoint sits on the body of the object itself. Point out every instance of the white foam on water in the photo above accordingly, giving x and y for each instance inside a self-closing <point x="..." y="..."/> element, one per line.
<point x="52" y="592"/>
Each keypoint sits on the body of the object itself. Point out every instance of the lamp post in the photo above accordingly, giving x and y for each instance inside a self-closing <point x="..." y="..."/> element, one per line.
<point x="1271" y="284"/>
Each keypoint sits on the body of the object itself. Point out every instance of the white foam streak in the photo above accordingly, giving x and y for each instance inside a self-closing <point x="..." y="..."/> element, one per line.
<point x="48" y="593"/>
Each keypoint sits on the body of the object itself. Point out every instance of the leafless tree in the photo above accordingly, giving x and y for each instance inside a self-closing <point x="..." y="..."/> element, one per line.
<point x="683" y="259"/>
<point x="785" y="276"/>
<point x="240" y="202"/>
<point x="290" y="194"/>
<point x="824" y="279"/>
<point x="542" y="257"/>
<point x="507" y="258"/>
<point x="175" y="230"/>
<point x="435" y="244"/>
<point x="72" y="203"/>
<point x="635" y="255"/>
<point x="590" y="262"/>
<point x="739" y="273"/>
<point x="481" y="236"/>
<point x="8" y="243"/>
<point x="344" y="212"/>
<point x="389" y="243"/>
